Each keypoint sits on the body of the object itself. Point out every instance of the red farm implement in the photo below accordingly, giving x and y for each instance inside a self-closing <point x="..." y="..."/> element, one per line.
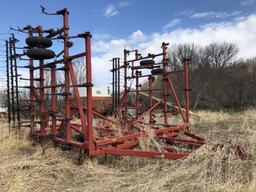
<point x="134" y="124"/>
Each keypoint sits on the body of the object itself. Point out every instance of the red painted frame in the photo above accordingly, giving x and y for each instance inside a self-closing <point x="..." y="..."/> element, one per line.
<point x="132" y="128"/>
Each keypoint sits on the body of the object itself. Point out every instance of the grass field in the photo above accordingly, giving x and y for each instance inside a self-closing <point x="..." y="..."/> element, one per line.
<point x="27" y="167"/>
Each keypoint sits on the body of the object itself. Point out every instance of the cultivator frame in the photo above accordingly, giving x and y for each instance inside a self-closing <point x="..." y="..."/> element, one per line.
<point x="163" y="132"/>
<point x="59" y="132"/>
<point x="13" y="101"/>
<point x="176" y="140"/>
<point x="136" y="73"/>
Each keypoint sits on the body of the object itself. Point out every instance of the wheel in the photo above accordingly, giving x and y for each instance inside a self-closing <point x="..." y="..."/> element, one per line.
<point x="40" y="53"/>
<point x="156" y="71"/>
<point x="147" y="62"/>
<point x="39" y="42"/>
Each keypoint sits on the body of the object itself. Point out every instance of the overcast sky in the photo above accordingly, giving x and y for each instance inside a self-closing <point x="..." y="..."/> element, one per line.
<point x="141" y="24"/>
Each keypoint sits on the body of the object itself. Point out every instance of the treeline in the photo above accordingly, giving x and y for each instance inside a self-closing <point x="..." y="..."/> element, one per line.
<point x="218" y="79"/>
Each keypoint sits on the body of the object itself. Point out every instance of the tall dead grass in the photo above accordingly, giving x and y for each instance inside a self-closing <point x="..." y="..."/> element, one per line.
<point x="24" y="166"/>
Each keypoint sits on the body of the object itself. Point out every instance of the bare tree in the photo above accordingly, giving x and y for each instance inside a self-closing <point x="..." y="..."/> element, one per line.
<point x="215" y="75"/>
<point x="220" y="55"/>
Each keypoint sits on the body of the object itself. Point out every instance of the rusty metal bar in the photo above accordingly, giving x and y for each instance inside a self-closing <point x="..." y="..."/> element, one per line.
<point x="137" y="96"/>
<point x="116" y="84"/>
<point x="42" y="107"/>
<point x="150" y="102"/>
<point x="147" y="57"/>
<point x="113" y="85"/>
<point x="77" y="96"/>
<point x="134" y="135"/>
<point x="118" y="81"/>
<point x="146" y="89"/>
<point x="16" y="80"/>
<point x="8" y="82"/>
<point x="186" y="79"/>
<point x="67" y="77"/>
<point x="89" y="94"/>
<point x="12" y="82"/>
<point x="164" y="47"/>
<point x="176" y="99"/>
<point x="125" y="86"/>
<point x="32" y="96"/>
<point x="58" y="32"/>
<point x="70" y="58"/>
<point x="53" y="99"/>
<point x="149" y="154"/>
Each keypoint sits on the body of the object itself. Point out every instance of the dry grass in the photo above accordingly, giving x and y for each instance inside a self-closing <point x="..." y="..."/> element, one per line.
<point x="24" y="166"/>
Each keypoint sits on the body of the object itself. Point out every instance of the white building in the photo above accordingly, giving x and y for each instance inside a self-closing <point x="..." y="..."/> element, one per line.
<point x="96" y="92"/>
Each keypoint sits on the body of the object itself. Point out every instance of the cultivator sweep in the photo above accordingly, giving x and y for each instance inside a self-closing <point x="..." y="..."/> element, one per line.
<point x="157" y="126"/>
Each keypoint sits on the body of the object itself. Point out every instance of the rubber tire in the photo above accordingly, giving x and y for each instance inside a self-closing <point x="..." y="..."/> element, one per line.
<point x="147" y="62"/>
<point x="39" y="42"/>
<point x="156" y="71"/>
<point x="40" y="53"/>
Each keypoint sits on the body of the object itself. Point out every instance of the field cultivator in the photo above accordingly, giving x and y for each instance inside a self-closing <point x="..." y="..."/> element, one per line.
<point x="147" y="130"/>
